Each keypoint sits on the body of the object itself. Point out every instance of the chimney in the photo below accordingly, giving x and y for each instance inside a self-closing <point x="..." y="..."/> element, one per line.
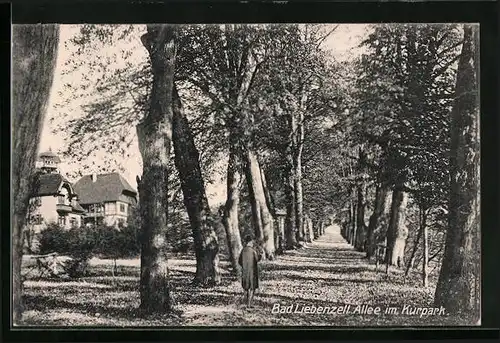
<point x="94" y="177"/>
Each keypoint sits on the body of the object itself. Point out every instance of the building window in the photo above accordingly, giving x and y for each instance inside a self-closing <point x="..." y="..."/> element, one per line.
<point x="74" y="222"/>
<point x="61" y="221"/>
<point x="96" y="208"/>
<point x="122" y="208"/>
<point x="60" y="199"/>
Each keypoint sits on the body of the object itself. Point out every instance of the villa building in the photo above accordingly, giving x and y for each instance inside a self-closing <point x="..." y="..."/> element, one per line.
<point x="55" y="200"/>
<point x="106" y="198"/>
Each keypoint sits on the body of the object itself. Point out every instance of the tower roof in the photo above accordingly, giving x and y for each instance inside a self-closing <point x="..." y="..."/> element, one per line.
<point x="51" y="155"/>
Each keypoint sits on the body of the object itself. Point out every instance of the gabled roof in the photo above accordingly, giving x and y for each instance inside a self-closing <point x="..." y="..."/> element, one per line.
<point x="49" y="184"/>
<point x="77" y="208"/>
<point x="106" y="188"/>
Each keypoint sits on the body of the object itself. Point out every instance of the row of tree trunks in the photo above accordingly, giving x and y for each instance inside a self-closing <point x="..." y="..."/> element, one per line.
<point x="375" y="219"/>
<point x="422" y="233"/>
<point x="195" y="199"/>
<point x="365" y="238"/>
<point x="34" y="53"/>
<point x="154" y="136"/>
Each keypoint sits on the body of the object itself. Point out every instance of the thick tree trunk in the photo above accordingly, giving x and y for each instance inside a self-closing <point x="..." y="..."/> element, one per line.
<point x="267" y="193"/>
<point x="261" y="216"/>
<point x="311" y="230"/>
<point x="297" y="132"/>
<point x="374" y="223"/>
<point x="458" y="279"/>
<point x="299" y="205"/>
<point x="230" y="216"/>
<point x="34" y="53"/>
<point x="195" y="199"/>
<point x="397" y="232"/>
<point x="272" y="210"/>
<point x="154" y="137"/>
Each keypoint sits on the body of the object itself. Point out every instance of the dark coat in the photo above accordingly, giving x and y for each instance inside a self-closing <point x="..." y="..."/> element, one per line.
<point x="249" y="270"/>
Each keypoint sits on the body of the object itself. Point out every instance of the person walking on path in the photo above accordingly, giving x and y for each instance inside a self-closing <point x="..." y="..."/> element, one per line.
<point x="249" y="257"/>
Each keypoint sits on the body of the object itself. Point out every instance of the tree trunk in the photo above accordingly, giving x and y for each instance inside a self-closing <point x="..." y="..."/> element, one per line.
<point x="230" y="216"/>
<point x="290" y="237"/>
<point x="374" y="223"/>
<point x="397" y="231"/>
<point x="459" y="275"/>
<point x="359" y="240"/>
<point x="34" y="53"/>
<point x="353" y="224"/>
<point x="195" y="199"/>
<point x="311" y="230"/>
<point x="425" y="262"/>
<point x="272" y="210"/>
<point x="262" y="218"/>
<point x="414" y="252"/>
<point x="267" y="193"/>
<point x="154" y="137"/>
<point x="280" y="241"/>
<point x="299" y="205"/>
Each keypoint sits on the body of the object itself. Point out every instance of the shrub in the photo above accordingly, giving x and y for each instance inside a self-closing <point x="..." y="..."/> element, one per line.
<point x="54" y="239"/>
<point x="77" y="243"/>
<point x="121" y="242"/>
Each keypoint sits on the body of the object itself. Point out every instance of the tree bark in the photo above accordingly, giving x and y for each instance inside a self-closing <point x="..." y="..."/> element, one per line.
<point x="352" y="236"/>
<point x="34" y="53"/>
<point x="195" y="199"/>
<point x="230" y="216"/>
<point x="154" y="137"/>
<point x="290" y="237"/>
<point x="299" y="205"/>
<point x="459" y="275"/>
<point x="414" y="252"/>
<point x="397" y="231"/>
<point x="359" y="240"/>
<point x="311" y="230"/>
<point x="425" y="262"/>
<point x="261" y="216"/>
<point x="374" y="223"/>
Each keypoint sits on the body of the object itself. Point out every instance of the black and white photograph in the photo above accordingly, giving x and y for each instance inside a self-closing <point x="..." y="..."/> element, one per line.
<point x="246" y="175"/>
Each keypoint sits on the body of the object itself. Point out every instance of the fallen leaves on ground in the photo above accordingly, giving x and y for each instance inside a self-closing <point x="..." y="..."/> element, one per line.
<point x="327" y="273"/>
